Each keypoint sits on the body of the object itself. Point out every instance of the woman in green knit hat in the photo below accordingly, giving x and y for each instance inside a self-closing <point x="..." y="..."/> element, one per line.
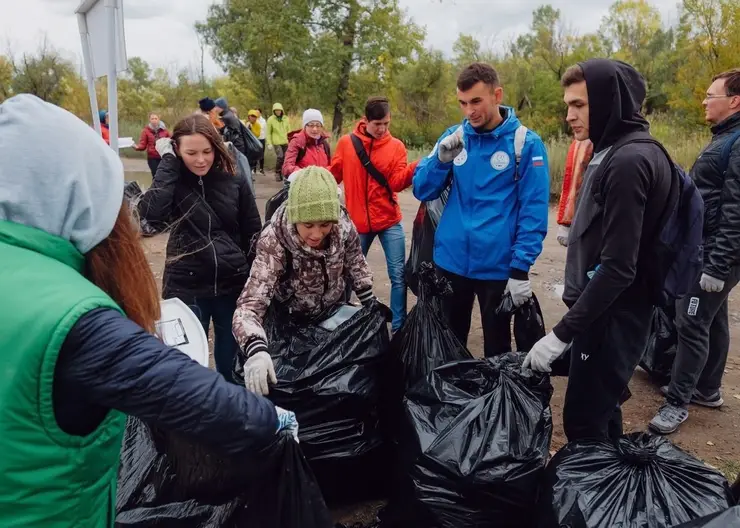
<point x="304" y="258"/>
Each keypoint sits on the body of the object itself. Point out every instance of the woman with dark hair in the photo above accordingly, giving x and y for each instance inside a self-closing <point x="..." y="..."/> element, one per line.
<point x="212" y="217"/>
<point x="78" y="353"/>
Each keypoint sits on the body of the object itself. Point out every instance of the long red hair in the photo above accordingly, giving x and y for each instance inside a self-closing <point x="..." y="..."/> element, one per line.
<point x="119" y="267"/>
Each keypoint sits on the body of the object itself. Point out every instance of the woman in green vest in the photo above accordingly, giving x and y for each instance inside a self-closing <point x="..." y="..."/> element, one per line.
<point x="77" y="353"/>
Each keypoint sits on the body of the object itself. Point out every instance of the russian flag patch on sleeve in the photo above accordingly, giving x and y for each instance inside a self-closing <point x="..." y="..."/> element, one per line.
<point x="538" y="161"/>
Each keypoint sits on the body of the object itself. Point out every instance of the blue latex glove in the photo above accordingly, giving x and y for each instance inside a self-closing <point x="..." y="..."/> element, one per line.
<point x="287" y="422"/>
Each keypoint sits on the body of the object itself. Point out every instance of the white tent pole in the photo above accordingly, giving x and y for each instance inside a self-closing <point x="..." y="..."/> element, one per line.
<point x="89" y="74"/>
<point x="110" y="6"/>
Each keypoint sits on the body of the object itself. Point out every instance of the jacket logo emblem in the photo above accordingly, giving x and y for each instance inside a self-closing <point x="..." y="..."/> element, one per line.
<point x="500" y="160"/>
<point x="461" y="158"/>
<point x="584" y="357"/>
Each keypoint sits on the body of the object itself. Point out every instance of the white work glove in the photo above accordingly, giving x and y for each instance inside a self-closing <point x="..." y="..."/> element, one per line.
<point x="287" y="422"/>
<point x="451" y="146"/>
<point x="164" y="146"/>
<point x="563" y="232"/>
<point x="259" y="372"/>
<point x="710" y="284"/>
<point x="544" y="352"/>
<point x="520" y="290"/>
<point x="269" y="147"/>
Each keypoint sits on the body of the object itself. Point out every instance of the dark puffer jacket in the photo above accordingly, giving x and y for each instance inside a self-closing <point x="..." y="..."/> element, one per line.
<point x="212" y="222"/>
<point x="721" y="194"/>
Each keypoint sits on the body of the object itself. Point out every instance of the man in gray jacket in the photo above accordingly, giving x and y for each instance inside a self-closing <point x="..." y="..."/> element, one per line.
<point x="702" y="316"/>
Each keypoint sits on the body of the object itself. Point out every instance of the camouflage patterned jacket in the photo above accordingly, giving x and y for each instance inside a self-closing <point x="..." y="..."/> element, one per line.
<point x="315" y="282"/>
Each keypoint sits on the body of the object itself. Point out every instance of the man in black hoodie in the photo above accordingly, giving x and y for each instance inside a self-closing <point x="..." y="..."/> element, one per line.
<point x="627" y="190"/>
<point x="702" y="316"/>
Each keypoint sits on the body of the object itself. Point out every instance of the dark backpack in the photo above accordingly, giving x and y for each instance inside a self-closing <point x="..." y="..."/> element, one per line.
<point x="302" y="152"/>
<point x="676" y="259"/>
<point x="724" y="155"/>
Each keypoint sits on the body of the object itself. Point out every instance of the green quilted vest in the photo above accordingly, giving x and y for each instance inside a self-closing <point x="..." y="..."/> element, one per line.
<point x="48" y="478"/>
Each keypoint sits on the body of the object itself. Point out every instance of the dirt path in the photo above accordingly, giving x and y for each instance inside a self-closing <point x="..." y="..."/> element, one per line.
<point x="709" y="434"/>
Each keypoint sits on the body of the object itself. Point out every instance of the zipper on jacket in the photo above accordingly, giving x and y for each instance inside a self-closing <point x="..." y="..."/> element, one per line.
<point x="210" y="241"/>
<point x="367" y="189"/>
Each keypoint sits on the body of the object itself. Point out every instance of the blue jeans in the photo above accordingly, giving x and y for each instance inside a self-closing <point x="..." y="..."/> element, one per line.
<point x="394" y="246"/>
<point x="221" y="310"/>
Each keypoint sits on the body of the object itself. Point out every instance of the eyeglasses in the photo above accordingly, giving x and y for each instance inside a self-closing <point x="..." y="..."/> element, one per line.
<point x="717" y="96"/>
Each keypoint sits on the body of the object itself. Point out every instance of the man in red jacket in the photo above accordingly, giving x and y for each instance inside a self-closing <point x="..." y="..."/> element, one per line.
<point x="370" y="187"/>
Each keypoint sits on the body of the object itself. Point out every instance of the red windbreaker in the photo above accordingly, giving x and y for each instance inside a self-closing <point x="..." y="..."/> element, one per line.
<point x="368" y="203"/>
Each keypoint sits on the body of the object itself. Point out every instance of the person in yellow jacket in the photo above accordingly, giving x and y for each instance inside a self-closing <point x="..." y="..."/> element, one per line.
<point x="255" y="127"/>
<point x="277" y="137"/>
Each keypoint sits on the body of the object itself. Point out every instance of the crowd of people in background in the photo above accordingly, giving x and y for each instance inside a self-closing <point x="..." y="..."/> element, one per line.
<point x="496" y="174"/>
<point x="99" y="302"/>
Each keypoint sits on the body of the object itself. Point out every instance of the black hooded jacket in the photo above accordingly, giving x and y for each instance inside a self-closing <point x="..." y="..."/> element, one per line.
<point x="212" y="222"/>
<point x="621" y="205"/>
<point x="721" y="194"/>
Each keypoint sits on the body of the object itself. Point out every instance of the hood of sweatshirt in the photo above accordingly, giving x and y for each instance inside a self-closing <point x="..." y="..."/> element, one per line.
<point x="616" y="92"/>
<point x="56" y="173"/>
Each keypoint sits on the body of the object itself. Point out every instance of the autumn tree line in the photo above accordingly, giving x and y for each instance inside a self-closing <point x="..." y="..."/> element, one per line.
<point x="333" y="54"/>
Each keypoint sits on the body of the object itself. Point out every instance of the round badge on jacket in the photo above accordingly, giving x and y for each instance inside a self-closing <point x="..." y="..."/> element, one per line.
<point x="500" y="160"/>
<point x="461" y="158"/>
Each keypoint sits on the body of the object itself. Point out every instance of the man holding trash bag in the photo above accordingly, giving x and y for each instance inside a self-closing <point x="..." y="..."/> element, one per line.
<point x="495" y="220"/>
<point x="304" y="258"/>
<point x="607" y="275"/>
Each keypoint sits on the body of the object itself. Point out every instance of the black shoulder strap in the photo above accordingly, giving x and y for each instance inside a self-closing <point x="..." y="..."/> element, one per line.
<point x="370" y="168"/>
<point x="637" y="137"/>
<point x="301" y="153"/>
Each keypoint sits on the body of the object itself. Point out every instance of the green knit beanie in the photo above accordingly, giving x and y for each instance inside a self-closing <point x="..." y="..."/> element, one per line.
<point x="313" y="197"/>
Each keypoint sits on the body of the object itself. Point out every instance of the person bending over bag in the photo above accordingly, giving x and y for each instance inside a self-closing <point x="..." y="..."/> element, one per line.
<point x="78" y="353"/>
<point x="304" y="258"/>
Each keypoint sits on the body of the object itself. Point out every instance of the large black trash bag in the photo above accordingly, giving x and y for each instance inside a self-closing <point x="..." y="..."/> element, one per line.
<point x="639" y="480"/>
<point x="333" y="381"/>
<point x="660" y="352"/>
<point x="425" y="341"/>
<point x="276" y="201"/>
<point x="422" y="238"/>
<point x="166" y="480"/>
<point x="726" y="519"/>
<point x="476" y="441"/>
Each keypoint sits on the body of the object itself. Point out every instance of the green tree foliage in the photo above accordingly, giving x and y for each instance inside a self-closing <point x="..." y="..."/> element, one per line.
<point x="333" y="54"/>
<point x="321" y="48"/>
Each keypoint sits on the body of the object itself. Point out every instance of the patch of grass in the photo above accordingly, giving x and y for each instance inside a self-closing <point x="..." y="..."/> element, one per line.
<point x="729" y="468"/>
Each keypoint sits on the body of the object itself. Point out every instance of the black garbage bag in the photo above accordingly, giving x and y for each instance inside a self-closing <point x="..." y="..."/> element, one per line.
<point x="638" y="480"/>
<point x="726" y="519"/>
<point x="425" y="341"/>
<point x="660" y="352"/>
<point x="422" y="238"/>
<point x="476" y="441"/>
<point x="333" y="381"/>
<point x="529" y="323"/>
<point x="166" y="480"/>
<point x="276" y="201"/>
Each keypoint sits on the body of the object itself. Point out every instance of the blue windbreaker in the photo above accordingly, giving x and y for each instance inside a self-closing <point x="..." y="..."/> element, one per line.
<point x="491" y="222"/>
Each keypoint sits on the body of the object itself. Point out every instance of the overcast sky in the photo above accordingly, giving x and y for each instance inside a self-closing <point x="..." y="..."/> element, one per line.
<point x="161" y="31"/>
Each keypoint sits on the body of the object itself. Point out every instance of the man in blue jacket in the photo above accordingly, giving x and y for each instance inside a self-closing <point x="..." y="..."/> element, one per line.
<point x="495" y="220"/>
